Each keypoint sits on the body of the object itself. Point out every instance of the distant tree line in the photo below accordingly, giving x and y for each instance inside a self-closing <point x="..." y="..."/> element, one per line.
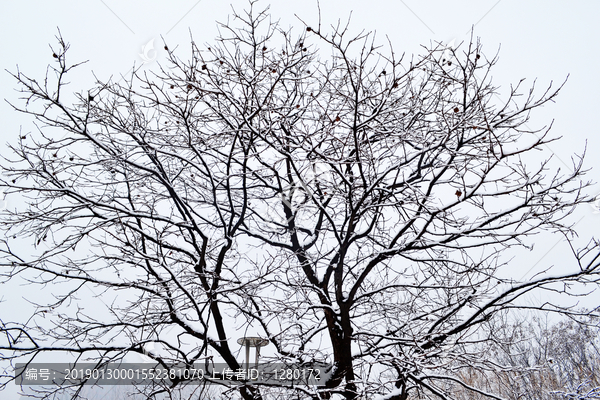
<point x="539" y="361"/>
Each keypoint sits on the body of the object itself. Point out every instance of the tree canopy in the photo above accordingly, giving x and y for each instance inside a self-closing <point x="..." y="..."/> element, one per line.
<point x="314" y="189"/>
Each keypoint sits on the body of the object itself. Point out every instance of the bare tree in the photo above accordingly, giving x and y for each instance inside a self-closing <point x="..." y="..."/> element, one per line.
<point x="540" y="361"/>
<point x="314" y="189"/>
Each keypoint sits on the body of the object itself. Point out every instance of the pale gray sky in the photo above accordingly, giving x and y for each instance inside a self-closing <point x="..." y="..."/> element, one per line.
<point x="547" y="40"/>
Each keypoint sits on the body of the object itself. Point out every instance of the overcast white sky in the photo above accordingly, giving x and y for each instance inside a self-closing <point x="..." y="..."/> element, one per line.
<point x="547" y="40"/>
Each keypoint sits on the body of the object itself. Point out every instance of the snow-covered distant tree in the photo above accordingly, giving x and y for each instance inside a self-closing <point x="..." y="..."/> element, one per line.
<point x="539" y="361"/>
<point x="314" y="189"/>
